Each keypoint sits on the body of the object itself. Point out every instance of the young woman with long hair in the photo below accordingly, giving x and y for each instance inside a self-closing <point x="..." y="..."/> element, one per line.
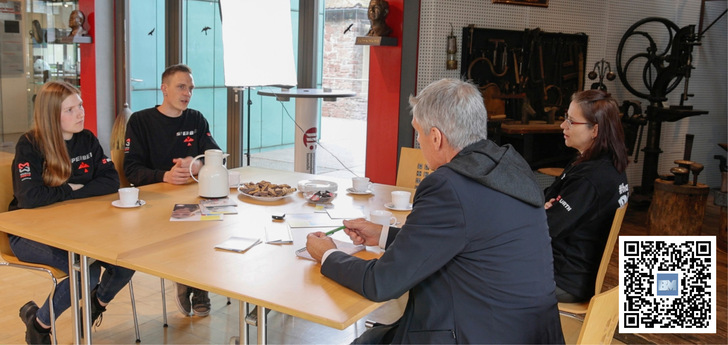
<point x="59" y="160"/>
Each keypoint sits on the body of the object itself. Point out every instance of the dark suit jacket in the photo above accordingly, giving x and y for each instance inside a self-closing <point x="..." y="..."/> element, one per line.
<point x="477" y="264"/>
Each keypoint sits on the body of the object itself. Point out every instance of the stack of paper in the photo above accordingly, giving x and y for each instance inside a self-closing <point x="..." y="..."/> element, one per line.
<point x="218" y="206"/>
<point x="238" y="244"/>
<point x="278" y="233"/>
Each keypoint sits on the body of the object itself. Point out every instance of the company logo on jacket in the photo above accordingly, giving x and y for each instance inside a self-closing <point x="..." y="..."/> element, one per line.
<point x="563" y="203"/>
<point x="81" y="158"/>
<point x="188" y="136"/>
<point x="624" y="191"/>
<point x="24" y="171"/>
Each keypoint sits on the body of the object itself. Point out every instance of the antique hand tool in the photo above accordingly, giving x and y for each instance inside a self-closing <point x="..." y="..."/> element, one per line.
<point x="696" y="168"/>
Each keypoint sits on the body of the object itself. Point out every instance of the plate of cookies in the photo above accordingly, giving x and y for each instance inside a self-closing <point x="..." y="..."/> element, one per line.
<point x="265" y="191"/>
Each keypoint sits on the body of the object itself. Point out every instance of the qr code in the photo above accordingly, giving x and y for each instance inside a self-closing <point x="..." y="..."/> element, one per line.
<point x="667" y="284"/>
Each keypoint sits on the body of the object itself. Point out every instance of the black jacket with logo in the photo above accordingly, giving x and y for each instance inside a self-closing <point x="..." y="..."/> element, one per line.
<point x="89" y="167"/>
<point x="587" y="195"/>
<point x="154" y="139"/>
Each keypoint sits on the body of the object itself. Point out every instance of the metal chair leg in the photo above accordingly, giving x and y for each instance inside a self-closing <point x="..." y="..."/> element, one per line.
<point x="164" y="303"/>
<point x="134" y="312"/>
<point x="54" y="339"/>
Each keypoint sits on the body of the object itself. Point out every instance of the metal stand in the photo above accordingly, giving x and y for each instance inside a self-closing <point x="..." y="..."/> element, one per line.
<point x="306" y="122"/>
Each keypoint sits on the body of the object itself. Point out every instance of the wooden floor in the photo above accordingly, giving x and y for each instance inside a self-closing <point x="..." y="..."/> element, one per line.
<point x="19" y="286"/>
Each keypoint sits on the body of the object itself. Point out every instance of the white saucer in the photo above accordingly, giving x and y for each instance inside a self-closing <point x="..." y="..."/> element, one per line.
<point x="390" y="206"/>
<point x="117" y="203"/>
<point x="352" y="191"/>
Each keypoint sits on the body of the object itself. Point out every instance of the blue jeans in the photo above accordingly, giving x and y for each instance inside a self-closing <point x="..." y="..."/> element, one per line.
<point x="113" y="280"/>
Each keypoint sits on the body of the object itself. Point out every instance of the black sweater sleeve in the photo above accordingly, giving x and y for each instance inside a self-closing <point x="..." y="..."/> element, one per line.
<point x="136" y="160"/>
<point x="28" y="187"/>
<point x="104" y="178"/>
<point x="207" y="142"/>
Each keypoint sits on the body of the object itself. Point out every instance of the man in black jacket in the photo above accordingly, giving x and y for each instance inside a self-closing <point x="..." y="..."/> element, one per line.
<point x="161" y="143"/>
<point x="475" y="252"/>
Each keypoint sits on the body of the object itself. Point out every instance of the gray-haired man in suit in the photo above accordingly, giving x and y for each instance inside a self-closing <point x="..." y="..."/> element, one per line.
<point x="474" y="254"/>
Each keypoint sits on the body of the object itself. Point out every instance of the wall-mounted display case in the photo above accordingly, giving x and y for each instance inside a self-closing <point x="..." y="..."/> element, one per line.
<point x="53" y="50"/>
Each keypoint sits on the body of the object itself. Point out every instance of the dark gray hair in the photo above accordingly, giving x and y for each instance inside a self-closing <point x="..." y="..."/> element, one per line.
<point x="455" y="107"/>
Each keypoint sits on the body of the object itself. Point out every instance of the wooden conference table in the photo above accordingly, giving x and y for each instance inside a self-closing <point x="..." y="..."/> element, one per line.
<point x="144" y="239"/>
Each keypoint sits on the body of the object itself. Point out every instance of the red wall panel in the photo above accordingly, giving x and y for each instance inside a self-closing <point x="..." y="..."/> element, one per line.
<point x="385" y="70"/>
<point x="88" y="66"/>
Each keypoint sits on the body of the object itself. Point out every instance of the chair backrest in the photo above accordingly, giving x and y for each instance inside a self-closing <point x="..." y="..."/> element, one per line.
<point x="601" y="318"/>
<point x="412" y="168"/>
<point x="6" y="180"/>
<point x="611" y="240"/>
<point x="118" y="136"/>
<point x="6" y="196"/>
<point x="117" y="156"/>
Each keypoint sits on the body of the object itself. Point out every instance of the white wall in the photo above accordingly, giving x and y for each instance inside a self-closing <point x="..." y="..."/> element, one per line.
<point x="604" y="22"/>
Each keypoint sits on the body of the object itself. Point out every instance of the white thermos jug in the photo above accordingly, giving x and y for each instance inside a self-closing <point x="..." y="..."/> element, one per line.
<point x="213" y="176"/>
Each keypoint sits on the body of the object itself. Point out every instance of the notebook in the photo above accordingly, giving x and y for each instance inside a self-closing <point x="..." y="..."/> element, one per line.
<point x="278" y="233"/>
<point x="238" y="244"/>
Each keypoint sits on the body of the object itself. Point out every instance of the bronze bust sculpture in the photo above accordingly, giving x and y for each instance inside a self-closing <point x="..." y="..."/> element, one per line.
<point x="378" y="11"/>
<point x="75" y="22"/>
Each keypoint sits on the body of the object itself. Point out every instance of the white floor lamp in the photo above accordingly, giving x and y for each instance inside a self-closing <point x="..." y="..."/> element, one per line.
<point x="257" y="45"/>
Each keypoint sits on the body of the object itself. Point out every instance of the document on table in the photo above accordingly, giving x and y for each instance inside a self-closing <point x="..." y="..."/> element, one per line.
<point x="345" y="212"/>
<point x="191" y="212"/>
<point x="278" y="233"/>
<point x="238" y="244"/>
<point x="346" y="247"/>
<point x="311" y="220"/>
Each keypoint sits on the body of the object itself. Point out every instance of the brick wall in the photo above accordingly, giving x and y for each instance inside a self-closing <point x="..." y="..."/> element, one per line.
<point x="345" y="65"/>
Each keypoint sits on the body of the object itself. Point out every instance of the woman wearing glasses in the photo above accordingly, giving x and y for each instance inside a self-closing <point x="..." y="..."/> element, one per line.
<point x="581" y="202"/>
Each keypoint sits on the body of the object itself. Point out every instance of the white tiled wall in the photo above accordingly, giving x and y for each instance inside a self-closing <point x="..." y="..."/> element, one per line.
<point x="604" y="21"/>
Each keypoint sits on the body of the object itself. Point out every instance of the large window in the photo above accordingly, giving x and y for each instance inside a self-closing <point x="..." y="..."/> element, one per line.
<point x="341" y="65"/>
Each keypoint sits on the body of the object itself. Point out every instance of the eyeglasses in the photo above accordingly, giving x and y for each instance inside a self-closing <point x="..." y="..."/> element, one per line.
<point x="570" y="122"/>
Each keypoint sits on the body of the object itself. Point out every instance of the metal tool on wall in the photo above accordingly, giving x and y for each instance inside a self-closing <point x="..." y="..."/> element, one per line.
<point x="452" y="49"/>
<point x="602" y="69"/>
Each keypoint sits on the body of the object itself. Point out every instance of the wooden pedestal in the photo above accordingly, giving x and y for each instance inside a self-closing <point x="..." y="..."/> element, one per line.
<point x="723" y="229"/>
<point x="677" y="210"/>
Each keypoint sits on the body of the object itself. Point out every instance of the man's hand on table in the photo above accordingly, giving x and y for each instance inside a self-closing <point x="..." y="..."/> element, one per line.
<point x="317" y="243"/>
<point x="362" y="231"/>
<point x="180" y="172"/>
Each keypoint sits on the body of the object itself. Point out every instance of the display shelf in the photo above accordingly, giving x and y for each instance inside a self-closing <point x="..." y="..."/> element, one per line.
<point x="53" y="53"/>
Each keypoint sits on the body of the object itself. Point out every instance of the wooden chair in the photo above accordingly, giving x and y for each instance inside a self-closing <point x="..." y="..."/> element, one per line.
<point x="6" y="196"/>
<point x="117" y="156"/>
<point x="601" y="318"/>
<point x="555" y="172"/>
<point x="412" y="168"/>
<point x="582" y="308"/>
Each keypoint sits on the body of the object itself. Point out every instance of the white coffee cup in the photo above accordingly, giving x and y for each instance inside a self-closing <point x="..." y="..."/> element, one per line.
<point x="128" y="196"/>
<point x="233" y="179"/>
<point x="382" y="217"/>
<point x="360" y="184"/>
<point x="400" y="199"/>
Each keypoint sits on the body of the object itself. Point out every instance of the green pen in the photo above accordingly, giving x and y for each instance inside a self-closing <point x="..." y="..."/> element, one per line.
<point x="329" y="233"/>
